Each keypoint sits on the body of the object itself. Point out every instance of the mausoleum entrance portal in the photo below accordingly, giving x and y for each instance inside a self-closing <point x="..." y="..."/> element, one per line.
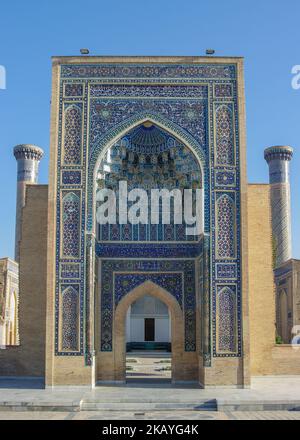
<point x="118" y="127"/>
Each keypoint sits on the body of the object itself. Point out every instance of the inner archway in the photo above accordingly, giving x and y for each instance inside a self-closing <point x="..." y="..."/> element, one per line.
<point x="177" y="327"/>
<point x="148" y="341"/>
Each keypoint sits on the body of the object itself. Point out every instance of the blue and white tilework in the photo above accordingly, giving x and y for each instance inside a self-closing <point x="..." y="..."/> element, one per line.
<point x="193" y="105"/>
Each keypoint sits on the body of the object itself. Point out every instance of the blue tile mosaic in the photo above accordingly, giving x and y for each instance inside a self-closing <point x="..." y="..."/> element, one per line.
<point x="71" y="177"/>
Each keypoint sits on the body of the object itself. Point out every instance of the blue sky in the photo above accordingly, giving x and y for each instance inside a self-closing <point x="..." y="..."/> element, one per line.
<point x="265" y="32"/>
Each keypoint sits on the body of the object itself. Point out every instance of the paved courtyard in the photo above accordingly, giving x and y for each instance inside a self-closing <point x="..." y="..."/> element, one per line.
<point x="155" y="415"/>
<point x="150" y="394"/>
<point x="148" y="366"/>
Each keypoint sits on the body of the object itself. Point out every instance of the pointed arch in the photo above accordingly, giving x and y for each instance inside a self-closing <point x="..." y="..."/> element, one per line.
<point x="118" y="132"/>
<point x="177" y="325"/>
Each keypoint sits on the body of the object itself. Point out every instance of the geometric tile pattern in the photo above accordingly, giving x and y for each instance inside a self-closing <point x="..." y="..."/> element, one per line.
<point x="71" y="224"/>
<point x="149" y="250"/>
<point x="71" y="177"/>
<point x="124" y="283"/>
<point x="224" y="135"/>
<point x="226" y="270"/>
<point x="106" y="114"/>
<point x="156" y="71"/>
<point x="70" y="271"/>
<point x="225" y="225"/>
<point x="73" y="90"/>
<point x="69" y="337"/>
<point x="225" y="178"/>
<point x="72" y="137"/>
<point x="223" y="90"/>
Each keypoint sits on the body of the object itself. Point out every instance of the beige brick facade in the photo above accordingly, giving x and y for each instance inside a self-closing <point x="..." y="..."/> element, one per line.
<point x="266" y="358"/>
<point x="261" y="279"/>
<point x="28" y="359"/>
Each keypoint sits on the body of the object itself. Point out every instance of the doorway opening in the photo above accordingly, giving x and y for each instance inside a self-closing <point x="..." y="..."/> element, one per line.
<point x="148" y="341"/>
<point x="149" y="329"/>
<point x="182" y="365"/>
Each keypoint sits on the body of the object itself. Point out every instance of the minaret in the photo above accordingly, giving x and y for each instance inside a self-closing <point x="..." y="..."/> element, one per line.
<point x="278" y="159"/>
<point x="28" y="157"/>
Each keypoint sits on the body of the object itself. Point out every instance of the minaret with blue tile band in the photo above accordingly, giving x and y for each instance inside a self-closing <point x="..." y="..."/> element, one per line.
<point x="278" y="159"/>
<point x="28" y="158"/>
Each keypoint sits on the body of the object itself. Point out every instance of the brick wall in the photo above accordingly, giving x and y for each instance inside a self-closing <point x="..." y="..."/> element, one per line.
<point x="29" y="358"/>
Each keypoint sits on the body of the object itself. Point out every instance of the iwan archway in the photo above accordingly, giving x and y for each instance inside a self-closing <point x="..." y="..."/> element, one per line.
<point x="129" y="255"/>
<point x="196" y="105"/>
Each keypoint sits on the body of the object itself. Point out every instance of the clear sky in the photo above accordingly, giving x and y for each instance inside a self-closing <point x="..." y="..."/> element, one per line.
<point x="265" y="32"/>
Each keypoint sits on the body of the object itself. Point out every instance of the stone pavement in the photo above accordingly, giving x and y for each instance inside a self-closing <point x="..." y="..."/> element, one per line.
<point x="267" y="393"/>
<point x="149" y="389"/>
<point x="155" y="415"/>
<point x="148" y="365"/>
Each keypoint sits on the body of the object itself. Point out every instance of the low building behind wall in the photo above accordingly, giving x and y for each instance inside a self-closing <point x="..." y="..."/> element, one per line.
<point x="9" y="303"/>
<point x="287" y="278"/>
<point x="28" y="358"/>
